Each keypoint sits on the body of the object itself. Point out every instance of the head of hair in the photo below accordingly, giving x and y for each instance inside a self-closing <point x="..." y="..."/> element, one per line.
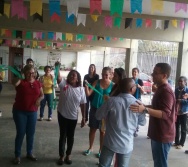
<point x="28" y="60"/>
<point x="126" y="85"/>
<point x="135" y="68"/>
<point x="165" y="68"/>
<point x="46" y="67"/>
<point x="184" y="79"/>
<point x="27" y="68"/>
<point x="120" y="72"/>
<point x="107" y="69"/>
<point x="94" y="69"/>
<point x="78" y="83"/>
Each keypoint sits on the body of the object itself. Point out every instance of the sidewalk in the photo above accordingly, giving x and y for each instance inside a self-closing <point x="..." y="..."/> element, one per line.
<point x="47" y="136"/>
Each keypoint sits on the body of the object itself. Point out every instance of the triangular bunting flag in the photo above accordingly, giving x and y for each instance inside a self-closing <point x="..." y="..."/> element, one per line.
<point x="72" y="7"/>
<point x="28" y="35"/>
<point x="158" y="24"/>
<point x="94" y="17"/>
<point x="95" y="5"/>
<point x="136" y="5"/>
<point x="175" y="23"/>
<point x="36" y="7"/>
<point x="58" y="36"/>
<point x="182" y="24"/>
<point x="18" y="34"/>
<point x="50" y="35"/>
<point x="116" y="6"/>
<point x="179" y="6"/>
<point x="117" y="22"/>
<point x="108" y="21"/>
<point x="81" y="19"/>
<point x="89" y="37"/>
<point x="8" y="33"/>
<point x="7" y="10"/>
<point x="38" y="16"/>
<point x="139" y="22"/>
<point x="157" y="5"/>
<point x="148" y="23"/>
<point x="166" y="24"/>
<point x="69" y="19"/>
<point x="128" y="22"/>
<point x="79" y="37"/>
<point x="100" y="38"/>
<point x="55" y="17"/>
<point x="69" y="37"/>
<point x="54" y="7"/>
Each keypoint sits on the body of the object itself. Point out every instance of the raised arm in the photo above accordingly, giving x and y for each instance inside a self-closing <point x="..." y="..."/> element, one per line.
<point x="90" y="91"/>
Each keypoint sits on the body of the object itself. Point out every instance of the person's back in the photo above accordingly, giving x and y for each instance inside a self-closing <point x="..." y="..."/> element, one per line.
<point x="121" y="123"/>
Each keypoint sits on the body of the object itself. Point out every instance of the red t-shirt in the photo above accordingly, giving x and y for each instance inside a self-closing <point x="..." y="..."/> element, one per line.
<point x="26" y="96"/>
<point x="163" y="129"/>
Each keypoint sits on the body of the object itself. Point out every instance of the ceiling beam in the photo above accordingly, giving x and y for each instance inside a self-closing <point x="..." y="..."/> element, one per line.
<point x="179" y="1"/>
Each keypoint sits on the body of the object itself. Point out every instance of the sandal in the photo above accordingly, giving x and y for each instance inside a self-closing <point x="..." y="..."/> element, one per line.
<point x="87" y="152"/>
<point x="98" y="155"/>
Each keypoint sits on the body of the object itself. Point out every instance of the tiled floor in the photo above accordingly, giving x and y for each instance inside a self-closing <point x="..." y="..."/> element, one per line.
<point x="46" y="142"/>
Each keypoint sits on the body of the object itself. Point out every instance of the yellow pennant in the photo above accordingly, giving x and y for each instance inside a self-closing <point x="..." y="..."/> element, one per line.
<point x="69" y="37"/>
<point x="34" y="44"/>
<point x="6" y="10"/>
<point x="3" y="32"/>
<point x="95" y="17"/>
<point x="35" y="7"/>
<point x="157" y="5"/>
<point x="175" y="23"/>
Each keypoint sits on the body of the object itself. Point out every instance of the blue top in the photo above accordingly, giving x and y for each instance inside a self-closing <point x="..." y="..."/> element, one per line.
<point x="98" y="99"/>
<point x="121" y="122"/>
<point x="184" y="102"/>
<point x="137" y="93"/>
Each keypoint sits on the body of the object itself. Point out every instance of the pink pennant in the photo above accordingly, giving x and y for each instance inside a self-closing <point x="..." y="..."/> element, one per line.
<point x="179" y="6"/>
<point x="8" y="42"/>
<point x="39" y="35"/>
<point x="182" y="24"/>
<point x="55" y="17"/>
<point x="15" y="7"/>
<point x="23" y="12"/>
<point x="59" y="44"/>
<point x="89" y="37"/>
<point x="108" y="21"/>
<point x="148" y="23"/>
<point x="95" y="5"/>
<point x="27" y="43"/>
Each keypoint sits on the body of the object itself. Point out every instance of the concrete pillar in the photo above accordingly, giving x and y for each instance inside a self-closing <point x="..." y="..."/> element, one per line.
<point x="182" y="65"/>
<point x="131" y="57"/>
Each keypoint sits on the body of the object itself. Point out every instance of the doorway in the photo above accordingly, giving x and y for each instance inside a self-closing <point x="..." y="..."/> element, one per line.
<point x="15" y="60"/>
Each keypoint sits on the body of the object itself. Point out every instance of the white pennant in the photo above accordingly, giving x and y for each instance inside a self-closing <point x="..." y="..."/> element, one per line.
<point x="72" y="7"/>
<point x="158" y="24"/>
<point x="58" y="36"/>
<point x="81" y="19"/>
<point x="34" y="35"/>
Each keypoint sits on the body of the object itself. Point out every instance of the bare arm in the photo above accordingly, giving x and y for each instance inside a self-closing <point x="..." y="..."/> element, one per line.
<point x="90" y="91"/>
<point x="140" y="108"/>
<point x="16" y="81"/>
<point x="40" y="97"/>
<point x="82" y="107"/>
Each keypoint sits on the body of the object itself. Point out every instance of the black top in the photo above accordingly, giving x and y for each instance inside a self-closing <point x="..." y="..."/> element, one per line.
<point x="90" y="80"/>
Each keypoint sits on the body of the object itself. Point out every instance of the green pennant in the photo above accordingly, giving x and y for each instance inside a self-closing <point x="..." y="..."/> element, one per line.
<point x="121" y="39"/>
<point x="79" y="37"/>
<point x="14" y="34"/>
<point x="117" y="22"/>
<point x="28" y="35"/>
<point x="48" y="44"/>
<point x="94" y="38"/>
<point x="116" y="6"/>
<point x="63" y="37"/>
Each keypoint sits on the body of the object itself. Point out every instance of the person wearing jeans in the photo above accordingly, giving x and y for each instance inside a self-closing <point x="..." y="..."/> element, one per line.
<point x="162" y="113"/>
<point x="29" y="94"/>
<point x="120" y="125"/>
<point x="47" y="85"/>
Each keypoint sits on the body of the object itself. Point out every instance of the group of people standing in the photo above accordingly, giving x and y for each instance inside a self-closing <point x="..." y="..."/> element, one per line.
<point x="112" y="106"/>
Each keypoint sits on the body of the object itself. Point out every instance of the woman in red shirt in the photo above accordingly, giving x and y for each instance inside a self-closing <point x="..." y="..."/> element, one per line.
<point x="29" y="93"/>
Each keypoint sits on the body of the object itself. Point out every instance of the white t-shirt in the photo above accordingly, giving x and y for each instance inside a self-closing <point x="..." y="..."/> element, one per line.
<point x="70" y="99"/>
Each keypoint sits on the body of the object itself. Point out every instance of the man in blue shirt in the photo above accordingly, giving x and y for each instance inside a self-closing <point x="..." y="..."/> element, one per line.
<point x="121" y="123"/>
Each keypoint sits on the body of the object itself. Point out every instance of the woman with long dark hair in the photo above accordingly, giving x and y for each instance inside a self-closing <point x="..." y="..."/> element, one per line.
<point x="91" y="77"/>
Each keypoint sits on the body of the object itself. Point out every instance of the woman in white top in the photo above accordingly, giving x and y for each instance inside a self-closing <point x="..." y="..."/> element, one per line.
<point x="72" y="96"/>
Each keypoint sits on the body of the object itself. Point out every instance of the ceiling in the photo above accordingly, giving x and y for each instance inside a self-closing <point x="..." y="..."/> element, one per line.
<point x="169" y="7"/>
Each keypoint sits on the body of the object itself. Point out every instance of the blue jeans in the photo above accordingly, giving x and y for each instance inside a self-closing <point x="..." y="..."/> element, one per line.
<point x="25" y="124"/>
<point x="107" y="156"/>
<point x="160" y="153"/>
<point x="48" y="99"/>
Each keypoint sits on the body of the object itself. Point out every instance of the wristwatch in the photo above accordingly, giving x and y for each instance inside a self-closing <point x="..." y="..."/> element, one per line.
<point x="146" y="110"/>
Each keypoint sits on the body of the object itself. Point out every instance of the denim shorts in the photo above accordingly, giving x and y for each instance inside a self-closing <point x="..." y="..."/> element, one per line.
<point x="93" y="122"/>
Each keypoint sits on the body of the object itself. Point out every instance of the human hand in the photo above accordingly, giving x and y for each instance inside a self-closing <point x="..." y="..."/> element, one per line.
<point x="185" y="96"/>
<point x="38" y="102"/>
<point x="105" y="97"/>
<point x="83" y="122"/>
<point x="138" y="107"/>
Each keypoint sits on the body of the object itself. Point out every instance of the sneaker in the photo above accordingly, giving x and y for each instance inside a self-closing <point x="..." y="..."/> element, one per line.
<point x="179" y="147"/>
<point x="186" y="151"/>
<point x="98" y="155"/>
<point x="87" y="152"/>
<point x="49" y="119"/>
<point x="40" y="119"/>
<point x="174" y="144"/>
